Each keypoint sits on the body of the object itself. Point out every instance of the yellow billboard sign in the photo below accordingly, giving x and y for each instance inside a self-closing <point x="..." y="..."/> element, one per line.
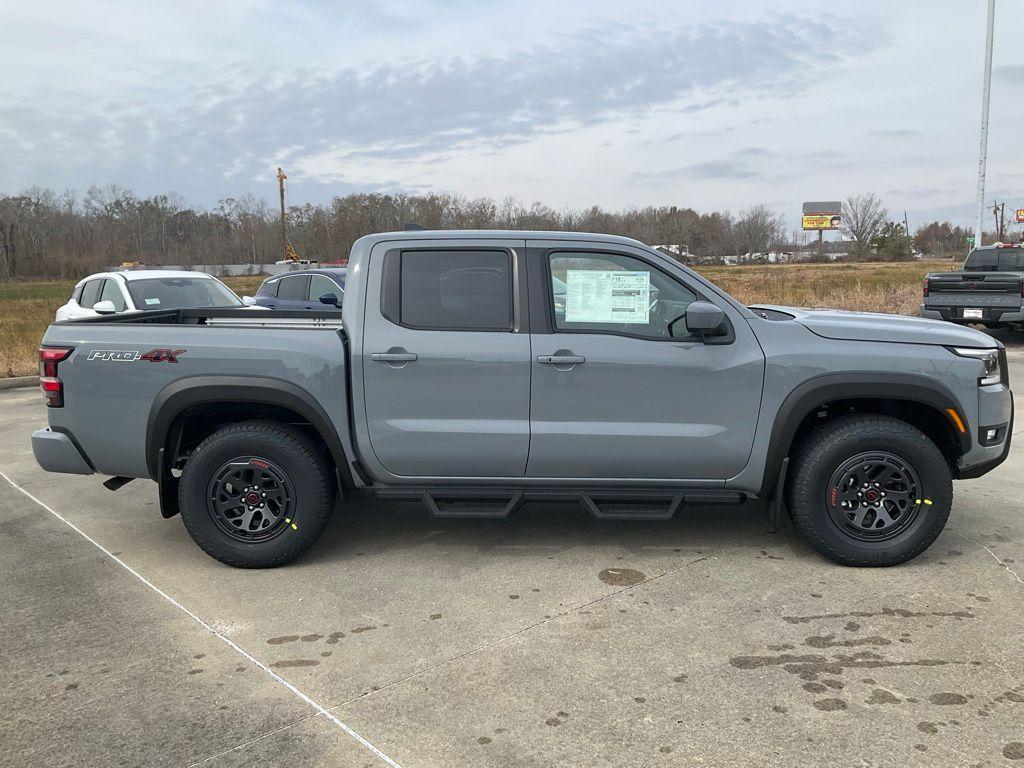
<point x="820" y="221"/>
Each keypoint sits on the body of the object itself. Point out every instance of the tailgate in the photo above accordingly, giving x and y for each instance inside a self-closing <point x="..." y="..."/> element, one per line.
<point x="974" y="289"/>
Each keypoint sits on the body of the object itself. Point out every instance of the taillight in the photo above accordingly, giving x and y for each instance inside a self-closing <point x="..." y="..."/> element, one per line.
<point x="53" y="388"/>
<point x="924" y="288"/>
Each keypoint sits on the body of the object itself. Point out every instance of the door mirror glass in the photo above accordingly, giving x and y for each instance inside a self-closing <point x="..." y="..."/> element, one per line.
<point x="331" y="299"/>
<point x="105" y="307"/>
<point x="701" y="318"/>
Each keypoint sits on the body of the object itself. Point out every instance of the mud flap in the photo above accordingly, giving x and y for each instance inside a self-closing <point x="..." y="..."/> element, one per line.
<point x="778" y="515"/>
<point x="167" y="487"/>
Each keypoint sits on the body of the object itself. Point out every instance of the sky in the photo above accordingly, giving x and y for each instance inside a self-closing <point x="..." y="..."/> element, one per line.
<point x="709" y="105"/>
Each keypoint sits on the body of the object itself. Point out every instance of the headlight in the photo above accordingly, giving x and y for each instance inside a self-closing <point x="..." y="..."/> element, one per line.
<point x="991" y="360"/>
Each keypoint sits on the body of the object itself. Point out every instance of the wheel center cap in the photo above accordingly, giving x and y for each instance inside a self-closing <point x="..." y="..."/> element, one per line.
<point x="871" y="495"/>
<point x="252" y="498"/>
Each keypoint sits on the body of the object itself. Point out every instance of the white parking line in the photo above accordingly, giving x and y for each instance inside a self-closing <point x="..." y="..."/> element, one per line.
<point x="320" y="709"/>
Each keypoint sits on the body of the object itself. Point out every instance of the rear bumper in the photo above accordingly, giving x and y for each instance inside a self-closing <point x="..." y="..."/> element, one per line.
<point x="955" y="314"/>
<point x="56" y="452"/>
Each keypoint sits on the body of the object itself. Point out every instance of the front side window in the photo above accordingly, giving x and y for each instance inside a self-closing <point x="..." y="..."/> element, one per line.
<point x="181" y="293"/>
<point x="320" y="285"/>
<point x="112" y="293"/>
<point x="269" y="288"/>
<point x="456" y="290"/>
<point x="612" y="293"/>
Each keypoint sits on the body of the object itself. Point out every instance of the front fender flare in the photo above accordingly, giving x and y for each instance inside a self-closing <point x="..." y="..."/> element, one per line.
<point x="845" y="386"/>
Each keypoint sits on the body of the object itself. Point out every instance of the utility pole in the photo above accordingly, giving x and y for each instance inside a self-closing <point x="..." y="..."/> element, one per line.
<point x="284" y="227"/>
<point x="983" y="147"/>
<point x="999" y="213"/>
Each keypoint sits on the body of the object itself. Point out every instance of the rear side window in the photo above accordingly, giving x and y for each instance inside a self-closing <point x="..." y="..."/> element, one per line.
<point x="90" y="293"/>
<point x="112" y="292"/>
<point x="456" y="290"/>
<point x="293" y="288"/>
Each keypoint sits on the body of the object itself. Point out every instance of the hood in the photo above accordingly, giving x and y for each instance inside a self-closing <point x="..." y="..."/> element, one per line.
<point x="873" y="326"/>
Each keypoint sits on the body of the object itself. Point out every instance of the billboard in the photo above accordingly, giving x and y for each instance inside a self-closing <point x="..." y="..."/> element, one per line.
<point x="820" y="221"/>
<point x="1020" y="215"/>
<point x="822" y="215"/>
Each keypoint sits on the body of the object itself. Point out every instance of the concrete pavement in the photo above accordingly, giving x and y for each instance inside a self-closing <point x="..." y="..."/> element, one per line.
<point x="548" y="639"/>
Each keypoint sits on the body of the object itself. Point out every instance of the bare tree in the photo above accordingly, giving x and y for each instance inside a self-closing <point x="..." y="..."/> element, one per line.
<point x="862" y="219"/>
<point x="758" y="229"/>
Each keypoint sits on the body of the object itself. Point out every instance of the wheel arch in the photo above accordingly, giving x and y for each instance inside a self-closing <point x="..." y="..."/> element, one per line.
<point x="242" y="398"/>
<point x="918" y="400"/>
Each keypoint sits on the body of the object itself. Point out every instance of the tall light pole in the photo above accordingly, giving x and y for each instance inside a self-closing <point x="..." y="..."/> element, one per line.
<point x="983" y="148"/>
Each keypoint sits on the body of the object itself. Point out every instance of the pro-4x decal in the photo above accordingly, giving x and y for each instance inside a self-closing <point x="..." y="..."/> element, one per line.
<point x="131" y="355"/>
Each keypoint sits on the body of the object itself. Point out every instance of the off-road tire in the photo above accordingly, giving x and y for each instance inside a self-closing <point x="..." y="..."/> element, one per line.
<point x="296" y="458"/>
<point x="823" y="452"/>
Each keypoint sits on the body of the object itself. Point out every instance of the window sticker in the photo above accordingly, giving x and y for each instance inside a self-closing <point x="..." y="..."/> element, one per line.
<point x="152" y="301"/>
<point x="607" y="296"/>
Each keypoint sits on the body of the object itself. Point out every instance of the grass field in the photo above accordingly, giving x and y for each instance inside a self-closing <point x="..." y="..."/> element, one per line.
<point x="27" y="308"/>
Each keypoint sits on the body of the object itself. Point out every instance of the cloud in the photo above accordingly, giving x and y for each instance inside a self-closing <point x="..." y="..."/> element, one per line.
<point x="336" y="125"/>
<point x="896" y="133"/>
<point x="1010" y="74"/>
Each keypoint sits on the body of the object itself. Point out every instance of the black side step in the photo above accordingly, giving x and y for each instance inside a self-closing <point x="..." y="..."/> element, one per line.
<point x="603" y="503"/>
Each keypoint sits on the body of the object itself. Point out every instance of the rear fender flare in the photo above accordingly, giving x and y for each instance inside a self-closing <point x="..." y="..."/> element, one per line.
<point x="205" y="390"/>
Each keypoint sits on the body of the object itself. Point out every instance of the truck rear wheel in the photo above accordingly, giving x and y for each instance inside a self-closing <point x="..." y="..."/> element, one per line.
<point x="255" y="494"/>
<point x="869" y="490"/>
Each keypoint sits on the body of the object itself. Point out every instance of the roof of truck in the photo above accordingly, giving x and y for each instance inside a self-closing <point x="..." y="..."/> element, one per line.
<point x="498" y="234"/>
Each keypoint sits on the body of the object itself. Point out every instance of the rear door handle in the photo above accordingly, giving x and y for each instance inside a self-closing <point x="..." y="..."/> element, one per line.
<point x="393" y="357"/>
<point x="561" y="359"/>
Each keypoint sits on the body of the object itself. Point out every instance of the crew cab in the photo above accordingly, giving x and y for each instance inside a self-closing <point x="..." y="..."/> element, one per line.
<point x="989" y="291"/>
<point x="475" y="371"/>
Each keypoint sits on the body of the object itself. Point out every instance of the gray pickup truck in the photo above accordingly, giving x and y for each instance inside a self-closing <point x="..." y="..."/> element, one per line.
<point x="989" y="291"/>
<point x="476" y="371"/>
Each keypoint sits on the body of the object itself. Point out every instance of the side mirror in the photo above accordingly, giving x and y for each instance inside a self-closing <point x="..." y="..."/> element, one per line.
<point x="105" y="307"/>
<point x="701" y="318"/>
<point x="330" y="298"/>
<point x="249" y="301"/>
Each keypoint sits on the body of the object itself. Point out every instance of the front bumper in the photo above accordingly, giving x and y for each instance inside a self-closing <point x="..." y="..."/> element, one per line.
<point x="56" y="452"/>
<point x="995" y="408"/>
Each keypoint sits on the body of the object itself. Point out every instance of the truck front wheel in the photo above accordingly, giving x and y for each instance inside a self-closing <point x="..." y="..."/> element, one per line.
<point x="256" y="494"/>
<point x="869" y="490"/>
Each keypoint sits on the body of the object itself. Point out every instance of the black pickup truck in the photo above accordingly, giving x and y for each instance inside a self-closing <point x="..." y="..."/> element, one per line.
<point x="989" y="291"/>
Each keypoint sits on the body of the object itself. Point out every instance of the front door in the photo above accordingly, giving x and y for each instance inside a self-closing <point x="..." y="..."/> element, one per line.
<point x="614" y="394"/>
<point x="445" y="361"/>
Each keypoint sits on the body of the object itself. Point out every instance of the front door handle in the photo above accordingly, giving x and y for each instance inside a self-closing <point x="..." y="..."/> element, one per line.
<point x="561" y="359"/>
<point x="393" y="357"/>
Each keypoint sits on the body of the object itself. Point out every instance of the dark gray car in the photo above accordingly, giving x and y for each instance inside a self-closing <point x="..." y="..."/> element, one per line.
<point x="476" y="371"/>
<point x="305" y="289"/>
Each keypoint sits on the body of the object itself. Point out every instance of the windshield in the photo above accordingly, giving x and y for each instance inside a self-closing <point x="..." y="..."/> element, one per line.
<point x="995" y="260"/>
<point x="181" y="293"/>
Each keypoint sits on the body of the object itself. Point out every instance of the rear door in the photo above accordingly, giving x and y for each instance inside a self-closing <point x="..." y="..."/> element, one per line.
<point x="446" y="359"/>
<point x="614" y="395"/>
<point x="292" y="292"/>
